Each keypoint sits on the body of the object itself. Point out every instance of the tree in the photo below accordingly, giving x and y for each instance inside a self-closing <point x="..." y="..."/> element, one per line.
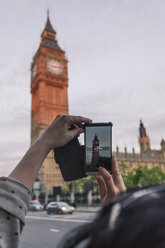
<point x="133" y="177"/>
<point x="142" y="176"/>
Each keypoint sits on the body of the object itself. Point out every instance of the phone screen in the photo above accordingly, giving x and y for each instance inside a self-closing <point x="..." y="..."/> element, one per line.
<point x="98" y="147"/>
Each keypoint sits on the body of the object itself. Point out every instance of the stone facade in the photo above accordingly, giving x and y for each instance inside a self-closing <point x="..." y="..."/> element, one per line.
<point x="147" y="156"/>
<point x="49" y="83"/>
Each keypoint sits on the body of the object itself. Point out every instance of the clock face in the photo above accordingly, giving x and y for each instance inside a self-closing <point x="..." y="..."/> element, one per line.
<point x="34" y="70"/>
<point x="54" y="66"/>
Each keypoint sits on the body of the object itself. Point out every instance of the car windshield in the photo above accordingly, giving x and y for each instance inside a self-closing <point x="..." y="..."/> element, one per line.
<point x="32" y="202"/>
<point x="52" y="203"/>
<point x="63" y="204"/>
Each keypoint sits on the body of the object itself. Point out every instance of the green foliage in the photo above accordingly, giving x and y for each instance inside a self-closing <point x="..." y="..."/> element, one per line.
<point x="133" y="177"/>
<point x="141" y="176"/>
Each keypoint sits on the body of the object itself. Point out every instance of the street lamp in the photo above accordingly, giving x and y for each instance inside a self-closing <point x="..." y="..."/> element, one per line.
<point x="37" y="188"/>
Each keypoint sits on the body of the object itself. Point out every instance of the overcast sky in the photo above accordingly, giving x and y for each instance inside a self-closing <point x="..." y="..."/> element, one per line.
<point x="102" y="133"/>
<point x="116" y="53"/>
<point x="103" y="136"/>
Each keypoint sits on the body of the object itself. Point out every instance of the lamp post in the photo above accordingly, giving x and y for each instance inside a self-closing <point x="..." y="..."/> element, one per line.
<point x="36" y="188"/>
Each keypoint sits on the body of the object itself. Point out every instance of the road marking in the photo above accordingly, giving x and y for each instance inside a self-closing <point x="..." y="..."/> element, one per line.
<point x="56" y="219"/>
<point x="54" y="230"/>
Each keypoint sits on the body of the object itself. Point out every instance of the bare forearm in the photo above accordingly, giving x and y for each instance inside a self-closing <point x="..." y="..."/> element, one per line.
<point x="27" y="169"/>
<point x="56" y="135"/>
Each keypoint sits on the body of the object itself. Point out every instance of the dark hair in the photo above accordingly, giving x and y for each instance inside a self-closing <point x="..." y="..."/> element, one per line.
<point x="134" y="219"/>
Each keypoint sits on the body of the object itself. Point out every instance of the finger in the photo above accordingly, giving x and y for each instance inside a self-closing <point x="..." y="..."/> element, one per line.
<point x="78" y="120"/>
<point x="117" y="178"/>
<point x="102" y="187"/>
<point x="110" y="187"/>
<point x="75" y="132"/>
<point x="57" y="117"/>
<point x="74" y="125"/>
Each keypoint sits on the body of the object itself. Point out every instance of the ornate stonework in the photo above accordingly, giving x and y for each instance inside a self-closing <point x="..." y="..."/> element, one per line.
<point x="49" y="83"/>
<point x="147" y="156"/>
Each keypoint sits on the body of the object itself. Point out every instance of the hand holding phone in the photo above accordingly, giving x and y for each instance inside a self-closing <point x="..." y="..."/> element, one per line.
<point x="77" y="161"/>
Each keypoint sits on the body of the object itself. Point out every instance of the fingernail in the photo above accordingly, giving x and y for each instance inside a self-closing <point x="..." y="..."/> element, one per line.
<point x="97" y="177"/>
<point x="114" y="155"/>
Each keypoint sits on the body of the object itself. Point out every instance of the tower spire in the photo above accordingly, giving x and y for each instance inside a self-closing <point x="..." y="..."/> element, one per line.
<point x="144" y="140"/>
<point x="48" y="25"/>
<point x="48" y="36"/>
<point x="142" y="130"/>
<point x="48" y="12"/>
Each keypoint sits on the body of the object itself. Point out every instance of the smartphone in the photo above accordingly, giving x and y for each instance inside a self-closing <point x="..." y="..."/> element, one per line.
<point x="98" y="147"/>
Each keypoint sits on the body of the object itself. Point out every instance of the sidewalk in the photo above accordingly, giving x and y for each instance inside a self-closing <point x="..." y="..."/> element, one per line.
<point x="87" y="209"/>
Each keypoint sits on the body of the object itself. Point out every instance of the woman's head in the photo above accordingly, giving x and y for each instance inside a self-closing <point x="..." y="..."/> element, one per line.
<point x="135" y="218"/>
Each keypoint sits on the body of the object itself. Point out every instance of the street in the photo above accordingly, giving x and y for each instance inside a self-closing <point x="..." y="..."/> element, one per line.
<point x="44" y="231"/>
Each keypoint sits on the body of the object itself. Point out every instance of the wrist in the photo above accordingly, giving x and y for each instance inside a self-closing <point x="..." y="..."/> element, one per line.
<point x="45" y="144"/>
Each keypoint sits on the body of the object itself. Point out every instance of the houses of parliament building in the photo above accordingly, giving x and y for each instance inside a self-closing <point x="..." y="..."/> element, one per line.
<point x="49" y="84"/>
<point x="147" y="156"/>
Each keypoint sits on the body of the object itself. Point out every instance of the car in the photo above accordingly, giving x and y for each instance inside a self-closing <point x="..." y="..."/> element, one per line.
<point x="59" y="208"/>
<point x="35" y="206"/>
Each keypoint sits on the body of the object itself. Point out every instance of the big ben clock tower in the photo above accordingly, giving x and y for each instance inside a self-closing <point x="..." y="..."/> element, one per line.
<point x="49" y="83"/>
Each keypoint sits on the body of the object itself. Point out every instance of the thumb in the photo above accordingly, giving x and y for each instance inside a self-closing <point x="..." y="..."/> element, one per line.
<point x="76" y="131"/>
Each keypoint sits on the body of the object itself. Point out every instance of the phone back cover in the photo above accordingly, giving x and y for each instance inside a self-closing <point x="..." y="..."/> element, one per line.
<point x="71" y="160"/>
